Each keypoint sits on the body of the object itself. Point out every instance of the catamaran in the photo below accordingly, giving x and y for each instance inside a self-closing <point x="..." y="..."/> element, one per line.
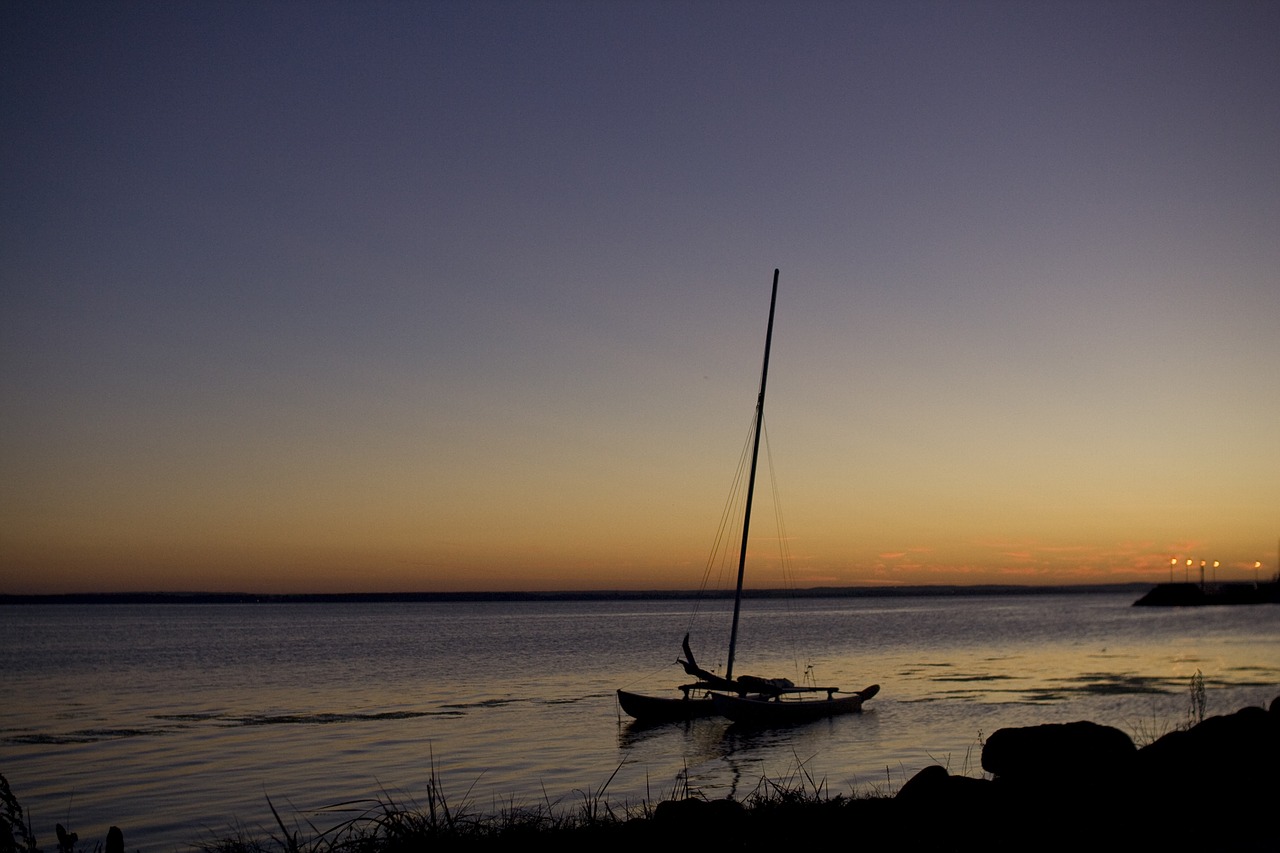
<point x="745" y="699"/>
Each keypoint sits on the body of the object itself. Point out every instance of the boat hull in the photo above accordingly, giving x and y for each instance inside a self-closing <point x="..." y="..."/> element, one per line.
<point x="663" y="709"/>
<point x="782" y="712"/>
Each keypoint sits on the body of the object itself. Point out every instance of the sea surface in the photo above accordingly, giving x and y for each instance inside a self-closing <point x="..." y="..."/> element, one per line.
<point x="177" y="722"/>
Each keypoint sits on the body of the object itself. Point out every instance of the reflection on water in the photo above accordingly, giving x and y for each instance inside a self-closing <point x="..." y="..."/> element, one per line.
<point x="166" y="719"/>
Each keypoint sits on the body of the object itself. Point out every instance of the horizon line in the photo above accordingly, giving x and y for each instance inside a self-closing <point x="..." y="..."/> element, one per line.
<point x="205" y="597"/>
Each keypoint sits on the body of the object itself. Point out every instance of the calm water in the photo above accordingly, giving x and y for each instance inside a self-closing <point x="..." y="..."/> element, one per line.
<point x="176" y="722"/>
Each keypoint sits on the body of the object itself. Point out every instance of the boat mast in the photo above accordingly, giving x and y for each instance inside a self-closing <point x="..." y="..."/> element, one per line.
<point x="751" y="483"/>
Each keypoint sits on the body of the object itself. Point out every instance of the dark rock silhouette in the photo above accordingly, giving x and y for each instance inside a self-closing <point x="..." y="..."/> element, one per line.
<point x="935" y="803"/>
<point x="1067" y="786"/>
<point x="115" y="840"/>
<point x="1057" y="752"/>
<point x="1222" y="777"/>
<point x="66" y="840"/>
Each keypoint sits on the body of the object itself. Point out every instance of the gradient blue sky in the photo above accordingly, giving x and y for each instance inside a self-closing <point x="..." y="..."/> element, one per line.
<point x="416" y="296"/>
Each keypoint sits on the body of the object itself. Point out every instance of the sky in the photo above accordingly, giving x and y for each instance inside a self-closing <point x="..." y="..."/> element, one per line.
<point x="389" y="296"/>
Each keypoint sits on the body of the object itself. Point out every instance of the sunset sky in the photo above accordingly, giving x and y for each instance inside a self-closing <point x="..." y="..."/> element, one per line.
<point x="465" y="296"/>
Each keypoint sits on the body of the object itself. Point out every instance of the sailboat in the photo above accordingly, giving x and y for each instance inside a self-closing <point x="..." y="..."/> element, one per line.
<point x="746" y="699"/>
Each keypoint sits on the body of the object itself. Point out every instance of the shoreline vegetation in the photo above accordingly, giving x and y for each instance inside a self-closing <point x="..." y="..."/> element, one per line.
<point x="561" y="595"/>
<point x="1207" y="784"/>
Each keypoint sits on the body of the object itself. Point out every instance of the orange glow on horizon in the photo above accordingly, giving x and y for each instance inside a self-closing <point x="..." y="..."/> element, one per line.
<point x="284" y="569"/>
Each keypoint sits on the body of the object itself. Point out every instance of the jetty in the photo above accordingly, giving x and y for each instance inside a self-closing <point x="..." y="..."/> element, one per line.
<point x="1199" y="594"/>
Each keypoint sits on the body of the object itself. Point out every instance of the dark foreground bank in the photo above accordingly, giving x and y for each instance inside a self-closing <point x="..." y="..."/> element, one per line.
<point x="1074" y="786"/>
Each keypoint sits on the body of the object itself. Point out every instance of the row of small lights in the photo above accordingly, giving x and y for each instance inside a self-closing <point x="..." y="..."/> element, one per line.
<point x="1257" y="564"/>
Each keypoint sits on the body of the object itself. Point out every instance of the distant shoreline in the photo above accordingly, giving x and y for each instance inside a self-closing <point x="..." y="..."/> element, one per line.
<point x="578" y="595"/>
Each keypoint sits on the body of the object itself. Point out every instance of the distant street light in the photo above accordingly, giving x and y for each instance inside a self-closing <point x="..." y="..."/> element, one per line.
<point x="1172" y="563"/>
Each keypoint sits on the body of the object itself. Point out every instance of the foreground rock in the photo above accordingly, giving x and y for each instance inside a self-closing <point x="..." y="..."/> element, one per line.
<point x="1080" y="785"/>
<point x="1070" y="787"/>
